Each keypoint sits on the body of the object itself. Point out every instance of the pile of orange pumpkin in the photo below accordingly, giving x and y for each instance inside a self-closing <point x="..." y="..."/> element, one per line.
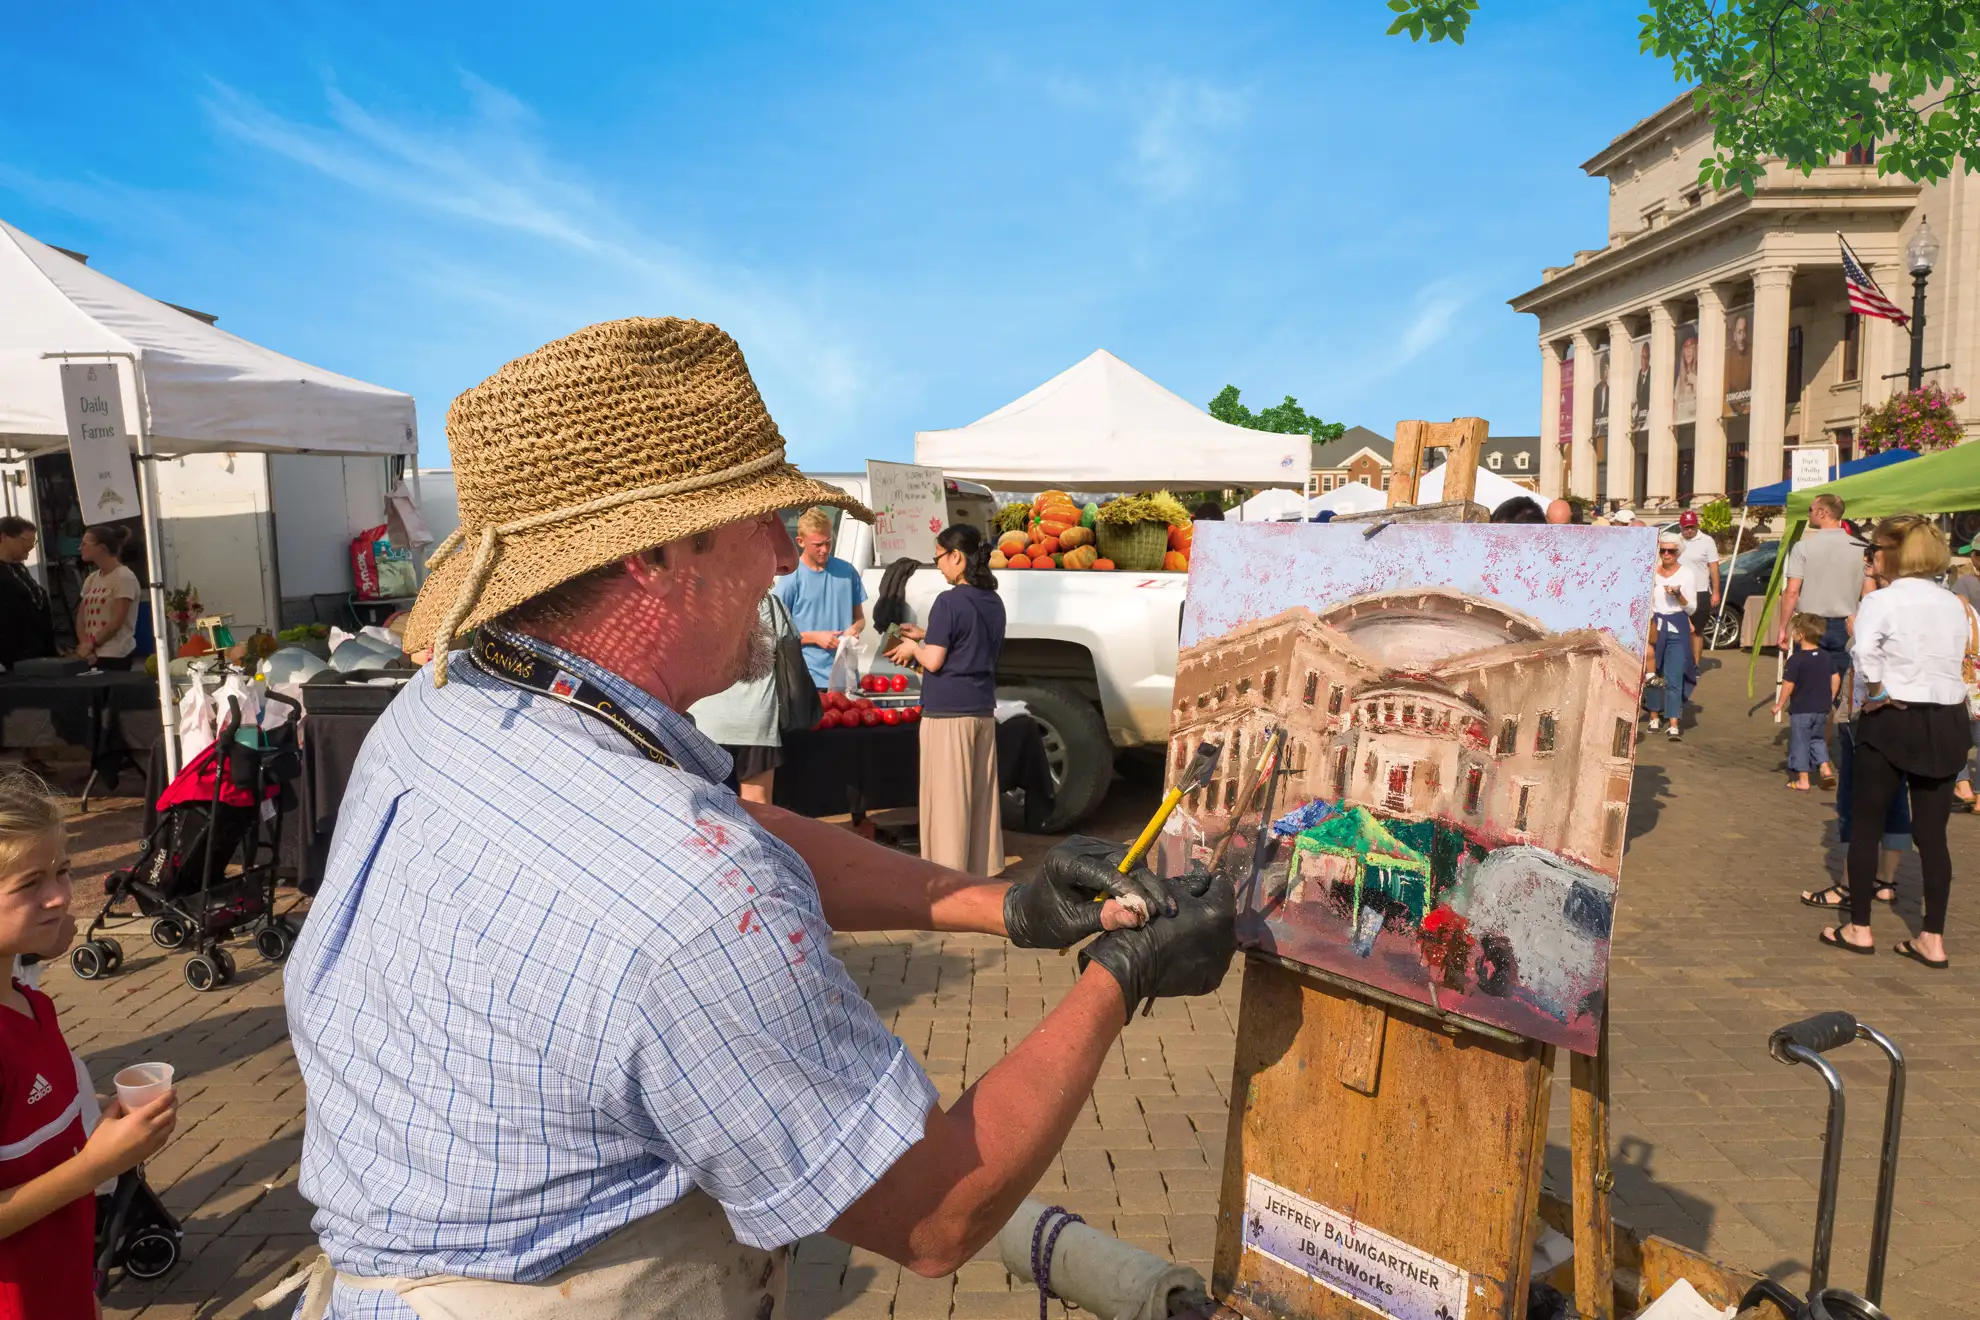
<point x="1181" y="539"/>
<point x="1059" y="535"/>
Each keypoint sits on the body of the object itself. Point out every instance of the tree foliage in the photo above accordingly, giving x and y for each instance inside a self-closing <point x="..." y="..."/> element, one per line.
<point x="1804" y="81"/>
<point x="1286" y="418"/>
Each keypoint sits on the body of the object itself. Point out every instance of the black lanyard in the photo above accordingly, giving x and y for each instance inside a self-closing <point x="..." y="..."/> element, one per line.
<point x="511" y="661"/>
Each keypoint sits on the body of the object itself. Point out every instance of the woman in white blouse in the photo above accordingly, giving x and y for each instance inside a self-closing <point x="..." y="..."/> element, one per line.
<point x="106" y="621"/>
<point x="1667" y="665"/>
<point x="1912" y="732"/>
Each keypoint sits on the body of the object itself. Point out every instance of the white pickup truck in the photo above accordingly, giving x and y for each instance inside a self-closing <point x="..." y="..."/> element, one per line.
<point x="1093" y="655"/>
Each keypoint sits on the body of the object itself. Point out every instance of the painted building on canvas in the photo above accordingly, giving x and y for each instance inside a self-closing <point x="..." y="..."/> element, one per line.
<point x="1424" y="704"/>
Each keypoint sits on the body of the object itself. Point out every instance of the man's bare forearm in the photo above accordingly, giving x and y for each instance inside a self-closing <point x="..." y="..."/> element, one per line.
<point x="864" y="886"/>
<point x="952" y="1190"/>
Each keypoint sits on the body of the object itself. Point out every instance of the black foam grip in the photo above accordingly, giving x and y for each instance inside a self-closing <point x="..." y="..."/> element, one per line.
<point x="1821" y="1033"/>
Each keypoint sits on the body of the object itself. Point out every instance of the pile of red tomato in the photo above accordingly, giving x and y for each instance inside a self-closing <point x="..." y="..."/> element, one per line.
<point x="878" y="683"/>
<point x="844" y="712"/>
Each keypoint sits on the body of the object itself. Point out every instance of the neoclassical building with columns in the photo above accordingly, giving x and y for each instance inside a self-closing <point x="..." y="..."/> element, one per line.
<point x="1713" y="329"/>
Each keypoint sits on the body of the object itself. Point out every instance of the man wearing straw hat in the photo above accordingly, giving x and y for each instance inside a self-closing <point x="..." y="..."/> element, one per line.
<point x="574" y="1037"/>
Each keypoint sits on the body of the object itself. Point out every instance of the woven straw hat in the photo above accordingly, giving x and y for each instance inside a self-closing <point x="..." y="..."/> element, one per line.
<point x="611" y="441"/>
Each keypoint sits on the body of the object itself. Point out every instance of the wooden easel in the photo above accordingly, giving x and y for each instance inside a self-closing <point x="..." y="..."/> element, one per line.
<point x="1428" y="1128"/>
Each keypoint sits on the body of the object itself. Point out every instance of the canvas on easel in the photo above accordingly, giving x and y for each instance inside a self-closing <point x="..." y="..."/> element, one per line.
<point x="1428" y="731"/>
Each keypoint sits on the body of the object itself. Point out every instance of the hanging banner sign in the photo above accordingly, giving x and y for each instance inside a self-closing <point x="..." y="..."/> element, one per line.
<point x="1385" y="1275"/>
<point x="99" y="447"/>
<point x="909" y="508"/>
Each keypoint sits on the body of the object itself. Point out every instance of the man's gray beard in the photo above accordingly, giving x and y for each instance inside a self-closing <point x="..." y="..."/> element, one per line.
<point x="759" y="655"/>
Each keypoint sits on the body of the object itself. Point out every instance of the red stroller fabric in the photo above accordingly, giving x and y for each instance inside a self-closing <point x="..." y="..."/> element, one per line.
<point x="195" y="783"/>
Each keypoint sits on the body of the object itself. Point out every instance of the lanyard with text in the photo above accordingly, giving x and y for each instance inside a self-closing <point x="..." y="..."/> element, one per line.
<point x="508" y="659"/>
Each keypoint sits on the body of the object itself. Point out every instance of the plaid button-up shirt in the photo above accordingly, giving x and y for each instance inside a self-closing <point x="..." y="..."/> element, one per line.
<point x="549" y="985"/>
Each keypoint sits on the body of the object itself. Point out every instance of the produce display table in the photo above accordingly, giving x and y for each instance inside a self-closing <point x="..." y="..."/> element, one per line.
<point x="877" y="767"/>
<point x="114" y="715"/>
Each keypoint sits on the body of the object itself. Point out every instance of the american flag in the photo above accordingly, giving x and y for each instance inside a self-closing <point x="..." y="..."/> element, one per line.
<point x="1865" y="297"/>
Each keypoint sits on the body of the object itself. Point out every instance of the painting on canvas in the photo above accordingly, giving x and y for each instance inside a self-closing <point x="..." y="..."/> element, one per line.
<point x="1426" y="744"/>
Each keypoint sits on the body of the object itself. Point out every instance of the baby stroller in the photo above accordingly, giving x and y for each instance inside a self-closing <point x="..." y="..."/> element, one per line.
<point x="134" y="1232"/>
<point x="224" y="807"/>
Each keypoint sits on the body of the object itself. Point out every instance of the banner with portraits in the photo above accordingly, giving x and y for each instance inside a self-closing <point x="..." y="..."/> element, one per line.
<point x="1564" y="423"/>
<point x="1601" y="427"/>
<point x="1639" y="399"/>
<point x="1739" y="361"/>
<point x="1684" y="394"/>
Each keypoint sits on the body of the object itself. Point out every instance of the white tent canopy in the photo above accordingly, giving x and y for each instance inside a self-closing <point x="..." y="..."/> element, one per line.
<point x="189" y="387"/>
<point x="1102" y="425"/>
<point x="1278" y="505"/>
<point x="1491" y="489"/>
<point x="201" y="390"/>
<point x="1349" y="497"/>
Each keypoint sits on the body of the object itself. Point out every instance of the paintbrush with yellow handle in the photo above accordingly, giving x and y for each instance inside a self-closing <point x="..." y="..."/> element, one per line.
<point x="1194" y="776"/>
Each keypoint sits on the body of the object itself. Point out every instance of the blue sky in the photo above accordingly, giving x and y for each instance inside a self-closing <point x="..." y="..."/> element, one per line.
<point x="908" y="215"/>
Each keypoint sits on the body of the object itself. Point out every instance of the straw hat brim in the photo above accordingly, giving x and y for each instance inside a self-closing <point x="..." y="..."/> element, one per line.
<point x="531" y="562"/>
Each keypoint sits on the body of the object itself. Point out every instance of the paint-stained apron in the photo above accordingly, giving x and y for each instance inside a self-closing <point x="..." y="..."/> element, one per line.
<point x="682" y="1263"/>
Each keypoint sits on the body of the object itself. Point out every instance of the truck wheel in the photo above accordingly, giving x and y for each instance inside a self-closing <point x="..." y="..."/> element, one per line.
<point x="1076" y="746"/>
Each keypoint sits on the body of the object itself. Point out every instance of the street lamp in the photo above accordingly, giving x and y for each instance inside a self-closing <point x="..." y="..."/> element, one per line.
<point x="1920" y="255"/>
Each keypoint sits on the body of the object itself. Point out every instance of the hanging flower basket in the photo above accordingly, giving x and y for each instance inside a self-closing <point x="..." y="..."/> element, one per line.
<point x="1921" y="420"/>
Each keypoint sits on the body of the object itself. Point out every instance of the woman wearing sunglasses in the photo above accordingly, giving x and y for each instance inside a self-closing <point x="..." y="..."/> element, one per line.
<point x="1667" y="672"/>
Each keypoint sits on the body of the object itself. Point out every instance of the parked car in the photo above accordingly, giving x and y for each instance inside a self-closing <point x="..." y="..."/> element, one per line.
<point x="1740" y="578"/>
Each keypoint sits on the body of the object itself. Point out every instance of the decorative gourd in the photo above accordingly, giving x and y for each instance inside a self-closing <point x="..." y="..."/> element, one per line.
<point x="1182" y="538"/>
<point x="1018" y="561"/>
<point x="1089" y="515"/>
<point x="1013" y="543"/>
<point x="1052" y="528"/>
<point x="1051" y="497"/>
<point x="1074" y="537"/>
<point x="997" y="559"/>
<point x="1103" y="565"/>
<point x="1065" y="513"/>
<point x="1045" y="561"/>
<point x="1050" y="545"/>
<point x="1080" y="556"/>
<point x="1175" y="562"/>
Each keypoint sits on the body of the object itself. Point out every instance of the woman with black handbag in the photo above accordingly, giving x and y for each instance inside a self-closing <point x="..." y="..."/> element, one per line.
<point x="748" y="719"/>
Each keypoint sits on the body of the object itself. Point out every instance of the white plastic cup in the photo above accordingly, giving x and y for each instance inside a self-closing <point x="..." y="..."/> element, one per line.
<point x="141" y="1083"/>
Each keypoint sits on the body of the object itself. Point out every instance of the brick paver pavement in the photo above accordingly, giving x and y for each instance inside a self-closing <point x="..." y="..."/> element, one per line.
<point x="1717" y="1145"/>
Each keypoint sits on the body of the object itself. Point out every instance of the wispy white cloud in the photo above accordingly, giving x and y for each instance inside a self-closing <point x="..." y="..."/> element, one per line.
<point x="491" y="170"/>
<point x="1178" y="125"/>
<point x="1436" y="310"/>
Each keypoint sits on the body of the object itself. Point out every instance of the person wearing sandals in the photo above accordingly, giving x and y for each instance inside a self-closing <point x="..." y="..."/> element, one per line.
<point x="1914" y="729"/>
<point x="1897" y="817"/>
<point x="1967" y="587"/>
<point x="1668" y="671"/>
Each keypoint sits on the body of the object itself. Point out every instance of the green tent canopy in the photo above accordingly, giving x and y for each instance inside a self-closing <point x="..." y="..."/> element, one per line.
<point x="1946" y="482"/>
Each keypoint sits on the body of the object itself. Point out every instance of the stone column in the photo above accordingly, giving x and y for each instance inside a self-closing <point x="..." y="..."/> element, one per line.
<point x="1551" y="486"/>
<point x="1622" y="391"/>
<point x="1885" y="346"/>
<point x="1581" y="473"/>
<point x="1767" y="422"/>
<point x="1709" y="434"/>
<point x="1661" y="488"/>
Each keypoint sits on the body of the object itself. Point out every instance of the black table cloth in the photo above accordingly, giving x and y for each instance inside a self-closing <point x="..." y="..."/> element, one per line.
<point x="827" y="772"/>
<point x="114" y="715"/>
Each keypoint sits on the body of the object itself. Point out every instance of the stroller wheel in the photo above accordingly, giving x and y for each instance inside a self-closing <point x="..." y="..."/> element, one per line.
<point x="225" y="962"/>
<point x="114" y="949"/>
<point x="273" y="942"/>
<point x="169" y="933"/>
<point x="202" y="973"/>
<point x="149" y="1255"/>
<point x="88" y="961"/>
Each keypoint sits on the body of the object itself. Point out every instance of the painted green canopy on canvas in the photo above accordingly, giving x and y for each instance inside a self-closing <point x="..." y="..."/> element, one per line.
<point x="1946" y="482"/>
<point x="1358" y="831"/>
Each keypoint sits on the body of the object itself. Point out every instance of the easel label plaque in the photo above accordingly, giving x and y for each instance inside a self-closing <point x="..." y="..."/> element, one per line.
<point x="1386" y="1275"/>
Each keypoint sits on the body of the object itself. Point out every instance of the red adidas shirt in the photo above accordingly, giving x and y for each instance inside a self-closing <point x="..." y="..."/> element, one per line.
<point x="46" y="1269"/>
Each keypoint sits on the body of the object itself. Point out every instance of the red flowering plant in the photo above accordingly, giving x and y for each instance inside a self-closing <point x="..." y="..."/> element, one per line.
<point x="1920" y="420"/>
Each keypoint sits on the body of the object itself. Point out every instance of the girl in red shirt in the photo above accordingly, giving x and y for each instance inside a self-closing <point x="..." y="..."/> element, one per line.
<point x="49" y="1170"/>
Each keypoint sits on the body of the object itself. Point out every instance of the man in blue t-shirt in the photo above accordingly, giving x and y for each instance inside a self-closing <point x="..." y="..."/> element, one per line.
<point x="823" y="594"/>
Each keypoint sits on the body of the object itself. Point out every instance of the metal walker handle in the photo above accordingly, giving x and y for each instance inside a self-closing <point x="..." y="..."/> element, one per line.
<point x="1805" y="1042"/>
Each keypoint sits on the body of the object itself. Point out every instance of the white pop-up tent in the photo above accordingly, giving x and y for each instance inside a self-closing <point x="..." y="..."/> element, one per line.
<point x="1490" y="490"/>
<point x="1349" y="497"/>
<point x="188" y="387"/>
<point x="1102" y="425"/>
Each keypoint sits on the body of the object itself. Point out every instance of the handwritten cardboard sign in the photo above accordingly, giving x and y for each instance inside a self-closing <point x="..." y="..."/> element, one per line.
<point x="909" y="508"/>
<point x="99" y="447"/>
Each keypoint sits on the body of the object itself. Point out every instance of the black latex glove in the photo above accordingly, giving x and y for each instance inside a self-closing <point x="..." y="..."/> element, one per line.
<point x="1057" y="909"/>
<point x="1184" y="954"/>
